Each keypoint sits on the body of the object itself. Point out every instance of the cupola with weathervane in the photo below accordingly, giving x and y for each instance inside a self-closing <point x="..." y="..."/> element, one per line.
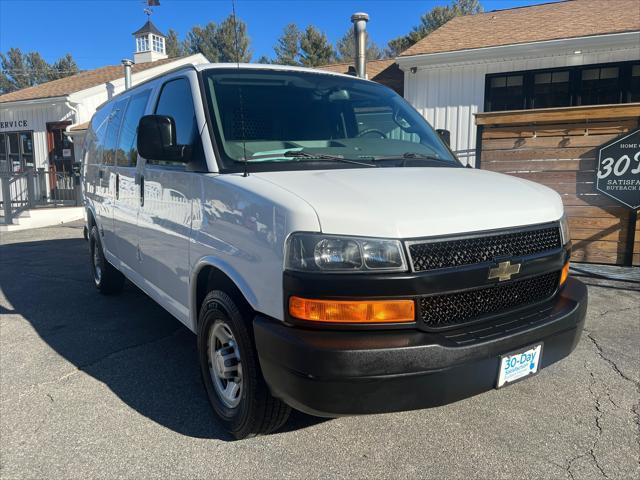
<point x="150" y="44"/>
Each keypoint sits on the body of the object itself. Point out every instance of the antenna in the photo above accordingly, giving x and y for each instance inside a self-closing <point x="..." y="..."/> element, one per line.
<point x="237" y="48"/>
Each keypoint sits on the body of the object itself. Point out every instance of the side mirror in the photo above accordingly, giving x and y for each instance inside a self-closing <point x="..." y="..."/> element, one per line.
<point x="157" y="140"/>
<point x="445" y="135"/>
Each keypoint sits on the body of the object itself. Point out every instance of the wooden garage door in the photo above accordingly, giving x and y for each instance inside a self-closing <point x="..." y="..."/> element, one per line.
<point x="558" y="148"/>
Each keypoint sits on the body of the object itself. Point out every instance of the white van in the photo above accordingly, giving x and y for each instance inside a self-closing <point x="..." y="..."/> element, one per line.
<point x="325" y="245"/>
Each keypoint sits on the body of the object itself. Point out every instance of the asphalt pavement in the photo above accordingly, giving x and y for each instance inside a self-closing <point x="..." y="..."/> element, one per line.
<point x="109" y="387"/>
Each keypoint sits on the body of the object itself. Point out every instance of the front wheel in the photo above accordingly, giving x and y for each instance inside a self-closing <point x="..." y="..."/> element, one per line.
<point x="105" y="276"/>
<point x="231" y="373"/>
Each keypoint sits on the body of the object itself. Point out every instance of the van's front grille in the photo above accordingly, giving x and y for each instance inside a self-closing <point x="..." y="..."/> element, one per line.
<point x="439" y="311"/>
<point x="431" y="255"/>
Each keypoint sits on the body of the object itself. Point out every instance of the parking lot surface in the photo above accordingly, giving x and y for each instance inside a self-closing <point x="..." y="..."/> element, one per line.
<point x="106" y="387"/>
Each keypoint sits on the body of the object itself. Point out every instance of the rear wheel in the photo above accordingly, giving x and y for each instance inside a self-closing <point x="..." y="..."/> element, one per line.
<point x="105" y="276"/>
<point x="230" y="371"/>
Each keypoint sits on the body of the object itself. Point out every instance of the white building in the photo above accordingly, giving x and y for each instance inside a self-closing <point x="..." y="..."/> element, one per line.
<point x="577" y="52"/>
<point x="36" y="123"/>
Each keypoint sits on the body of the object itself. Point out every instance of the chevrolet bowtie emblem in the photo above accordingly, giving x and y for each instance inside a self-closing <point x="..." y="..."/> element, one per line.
<point x="504" y="271"/>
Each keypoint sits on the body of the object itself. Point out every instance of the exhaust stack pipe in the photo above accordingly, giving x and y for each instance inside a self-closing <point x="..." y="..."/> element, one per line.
<point x="127" y="73"/>
<point x="360" y="20"/>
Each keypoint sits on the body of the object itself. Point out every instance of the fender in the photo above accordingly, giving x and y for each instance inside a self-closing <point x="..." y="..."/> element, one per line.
<point x="229" y="271"/>
<point x="90" y="211"/>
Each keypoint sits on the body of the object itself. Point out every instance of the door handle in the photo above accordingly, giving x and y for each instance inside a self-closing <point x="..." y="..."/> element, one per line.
<point x="117" y="186"/>
<point x="142" y="190"/>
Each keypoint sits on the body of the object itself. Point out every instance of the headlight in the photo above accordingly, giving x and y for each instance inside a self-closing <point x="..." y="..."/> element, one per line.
<point x="315" y="252"/>
<point x="564" y="229"/>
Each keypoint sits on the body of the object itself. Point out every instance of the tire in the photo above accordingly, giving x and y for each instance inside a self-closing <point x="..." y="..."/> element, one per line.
<point x="107" y="279"/>
<point x="249" y="409"/>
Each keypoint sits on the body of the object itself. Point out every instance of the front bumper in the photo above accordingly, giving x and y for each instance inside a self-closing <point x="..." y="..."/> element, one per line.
<point x="334" y="373"/>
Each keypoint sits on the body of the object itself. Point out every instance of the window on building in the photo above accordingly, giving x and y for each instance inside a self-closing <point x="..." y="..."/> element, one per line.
<point x="600" y="86"/>
<point x="506" y="92"/>
<point x="158" y="43"/>
<point x="127" y="152"/>
<point x="26" y="149"/>
<point x="551" y="89"/>
<point x="142" y="44"/>
<point x="13" y="149"/>
<point x="634" y="84"/>
<point x="16" y="151"/>
<point x="4" y="160"/>
<point x="564" y="87"/>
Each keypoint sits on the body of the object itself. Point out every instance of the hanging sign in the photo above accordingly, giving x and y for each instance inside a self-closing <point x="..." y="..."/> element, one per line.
<point x="618" y="173"/>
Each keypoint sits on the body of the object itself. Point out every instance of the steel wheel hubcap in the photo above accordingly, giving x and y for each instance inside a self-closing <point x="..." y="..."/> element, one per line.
<point x="97" y="268"/>
<point x="225" y="367"/>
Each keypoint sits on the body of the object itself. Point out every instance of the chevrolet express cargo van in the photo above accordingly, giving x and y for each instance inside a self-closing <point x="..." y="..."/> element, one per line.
<point x="324" y="244"/>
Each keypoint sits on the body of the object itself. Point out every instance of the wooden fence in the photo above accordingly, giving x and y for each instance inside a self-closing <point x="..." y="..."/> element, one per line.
<point x="558" y="147"/>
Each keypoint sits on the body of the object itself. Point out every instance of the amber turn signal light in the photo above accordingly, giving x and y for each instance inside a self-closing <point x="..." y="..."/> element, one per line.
<point x="564" y="274"/>
<point x="338" y="311"/>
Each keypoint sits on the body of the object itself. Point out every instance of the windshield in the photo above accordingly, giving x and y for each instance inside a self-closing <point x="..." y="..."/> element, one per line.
<point x="284" y="118"/>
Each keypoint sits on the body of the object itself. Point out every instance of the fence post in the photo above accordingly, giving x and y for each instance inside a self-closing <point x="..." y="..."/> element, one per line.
<point x="42" y="186"/>
<point x="31" y="191"/>
<point x="6" y="199"/>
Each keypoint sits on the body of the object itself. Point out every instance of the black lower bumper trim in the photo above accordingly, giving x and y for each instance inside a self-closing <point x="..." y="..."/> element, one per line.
<point x="334" y="373"/>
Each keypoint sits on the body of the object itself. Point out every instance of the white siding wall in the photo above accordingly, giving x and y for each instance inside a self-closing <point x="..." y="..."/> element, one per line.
<point x="448" y="95"/>
<point x="37" y="117"/>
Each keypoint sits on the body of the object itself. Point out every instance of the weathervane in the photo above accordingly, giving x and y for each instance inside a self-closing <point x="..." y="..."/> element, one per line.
<point x="150" y="3"/>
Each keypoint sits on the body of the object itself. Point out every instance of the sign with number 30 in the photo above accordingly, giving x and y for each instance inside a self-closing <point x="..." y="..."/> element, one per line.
<point x="618" y="174"/>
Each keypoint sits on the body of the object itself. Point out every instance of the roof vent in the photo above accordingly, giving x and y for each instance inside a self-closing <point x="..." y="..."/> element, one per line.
<point x="360" y="20"/>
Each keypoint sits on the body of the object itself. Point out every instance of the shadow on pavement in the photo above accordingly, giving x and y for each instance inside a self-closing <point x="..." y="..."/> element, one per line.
<point x="128" y="342"/>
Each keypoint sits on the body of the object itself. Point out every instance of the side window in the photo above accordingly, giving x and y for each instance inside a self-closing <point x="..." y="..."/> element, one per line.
<point x="95" y="136"/>
<point x="176" y="101"/>
<point x="111" y="137"/>
<point x="127" y="153"/>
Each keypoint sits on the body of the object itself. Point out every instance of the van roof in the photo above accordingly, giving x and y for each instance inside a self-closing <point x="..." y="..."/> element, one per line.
<point x="213" y="66"/>
<point x="262" y="66"/>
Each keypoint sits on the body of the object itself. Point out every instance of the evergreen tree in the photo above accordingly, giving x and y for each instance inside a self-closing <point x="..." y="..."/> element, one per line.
<point x="431" y="21"/>
<point x="63" y="67"/>
<point x="203" y="40"/>
<point x="287" y="48"/>
<point x="398" y="45"/>
<point x="226" y="41"/>
<point x="21" y="70"/>
<point x="37" y="67"/>
<point x="173" y="45"/>
<point x="15" y="74"/>
<point x="218" y="42"/>
<point x="264" y="59"/>
<point x="316" y="49"/>
<point x="346" y="48"/>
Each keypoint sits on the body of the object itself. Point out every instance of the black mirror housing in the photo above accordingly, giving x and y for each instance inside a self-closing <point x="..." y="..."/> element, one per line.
<point x="445" y="135"/>
<point x="157" y="140"/>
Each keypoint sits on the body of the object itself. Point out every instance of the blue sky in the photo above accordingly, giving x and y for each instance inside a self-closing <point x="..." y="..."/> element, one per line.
<point x="98" y="33"/>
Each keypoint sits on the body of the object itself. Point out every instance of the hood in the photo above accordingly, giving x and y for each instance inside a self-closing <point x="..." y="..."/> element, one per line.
<point x="418" y="202"/>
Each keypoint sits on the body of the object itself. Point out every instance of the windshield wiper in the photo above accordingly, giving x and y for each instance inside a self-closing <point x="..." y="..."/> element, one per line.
<point x="412" y="155"/>
<point x="415" y="156"/>
<point x="322" y="156"/>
